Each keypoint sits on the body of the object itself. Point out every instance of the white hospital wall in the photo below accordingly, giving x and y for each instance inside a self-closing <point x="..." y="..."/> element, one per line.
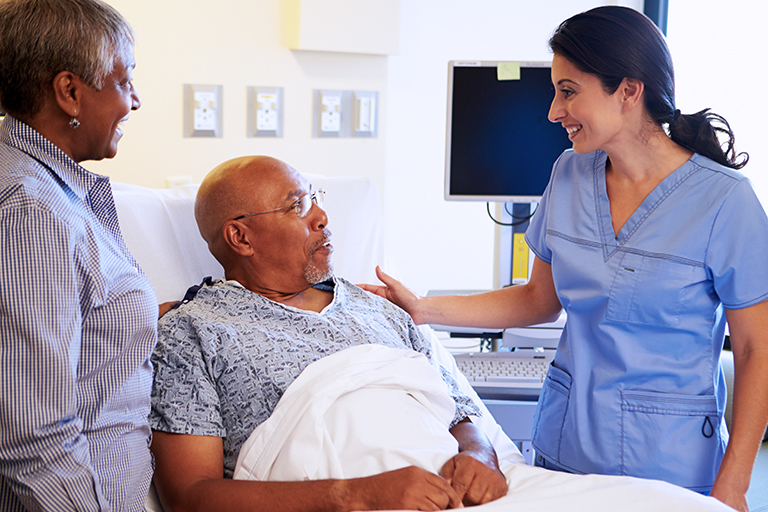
<point x="722" y="70"/>
<point x="234" y="43"/>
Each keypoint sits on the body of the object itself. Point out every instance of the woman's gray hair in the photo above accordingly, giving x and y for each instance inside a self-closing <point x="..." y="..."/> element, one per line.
<point x="41" y="38"/>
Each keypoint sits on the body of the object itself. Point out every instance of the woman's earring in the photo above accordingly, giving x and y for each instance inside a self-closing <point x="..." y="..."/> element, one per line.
<point x="74" y="123"/>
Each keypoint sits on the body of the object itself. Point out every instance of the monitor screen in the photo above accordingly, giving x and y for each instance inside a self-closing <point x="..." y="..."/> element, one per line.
<point x="500" y="145"/>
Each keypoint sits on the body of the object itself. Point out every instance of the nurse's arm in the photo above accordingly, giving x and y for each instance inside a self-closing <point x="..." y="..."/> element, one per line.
<point x="515" y="306"/>
<point x="749" y="341"/>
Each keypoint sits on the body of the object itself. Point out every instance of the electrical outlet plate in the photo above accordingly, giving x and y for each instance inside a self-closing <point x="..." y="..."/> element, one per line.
<point x="345" y="113"/>
<point x="329" y="113"/>
<point x="203" y="110"/>
<point x="365" y="107"/>
<point x="265" y="111"/>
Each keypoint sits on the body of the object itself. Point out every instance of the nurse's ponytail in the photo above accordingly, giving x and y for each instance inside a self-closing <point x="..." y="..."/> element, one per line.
<point x="613" y="43"/>
<point x="699" y="133"/>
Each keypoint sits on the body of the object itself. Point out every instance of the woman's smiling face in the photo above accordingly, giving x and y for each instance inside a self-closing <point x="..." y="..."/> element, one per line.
<point x="103" y="112"/>
<point x="590" y="115"/>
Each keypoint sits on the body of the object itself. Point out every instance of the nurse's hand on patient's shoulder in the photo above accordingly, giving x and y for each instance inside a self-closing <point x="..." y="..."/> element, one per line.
<point x="396" y="292"/>
<point x="409" y="488"/>
<point x="476" y="482"/>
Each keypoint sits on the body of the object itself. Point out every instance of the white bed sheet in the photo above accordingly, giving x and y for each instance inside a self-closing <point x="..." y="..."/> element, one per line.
<point x="307" y="438"/>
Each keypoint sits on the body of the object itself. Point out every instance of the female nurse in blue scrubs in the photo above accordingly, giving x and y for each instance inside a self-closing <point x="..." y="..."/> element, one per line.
<point x="650" y="240"/>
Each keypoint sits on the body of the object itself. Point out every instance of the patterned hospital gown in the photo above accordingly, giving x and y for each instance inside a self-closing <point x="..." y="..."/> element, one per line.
<point x="224" y="359"/>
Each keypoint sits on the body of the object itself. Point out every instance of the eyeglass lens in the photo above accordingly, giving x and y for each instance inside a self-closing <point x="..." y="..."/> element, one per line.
<point x="305" y="202"/>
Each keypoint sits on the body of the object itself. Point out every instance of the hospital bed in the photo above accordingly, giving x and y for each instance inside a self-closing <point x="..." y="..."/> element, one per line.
<point x="159" y="228"/>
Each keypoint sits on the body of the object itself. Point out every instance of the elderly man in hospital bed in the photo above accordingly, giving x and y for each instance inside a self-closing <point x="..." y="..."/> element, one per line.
<point x="226" y="357"/>
<point x="320" y="395"/>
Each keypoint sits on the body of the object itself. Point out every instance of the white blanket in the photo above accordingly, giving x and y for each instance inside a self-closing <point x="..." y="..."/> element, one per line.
<point x="360" y="412"/>
<point x="370" y="409"/>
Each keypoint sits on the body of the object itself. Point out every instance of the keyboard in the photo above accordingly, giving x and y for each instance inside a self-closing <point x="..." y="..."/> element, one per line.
<point x="505" y="374"/>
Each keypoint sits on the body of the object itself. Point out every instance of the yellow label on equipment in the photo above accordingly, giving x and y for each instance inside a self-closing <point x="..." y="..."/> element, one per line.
<point x="520" y="253"/>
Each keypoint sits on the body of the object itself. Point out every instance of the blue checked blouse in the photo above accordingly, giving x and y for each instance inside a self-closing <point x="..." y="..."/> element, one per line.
<point x="78" y="323"/>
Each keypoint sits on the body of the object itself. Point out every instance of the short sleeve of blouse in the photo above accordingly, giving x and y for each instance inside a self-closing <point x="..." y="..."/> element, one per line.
<point x="535" y="235"/>
<point x="736" y="253"/>
<point x="184" y="397"/>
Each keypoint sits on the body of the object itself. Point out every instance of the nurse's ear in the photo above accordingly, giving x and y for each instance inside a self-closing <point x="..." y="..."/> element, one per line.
<point x="631" y="93"/>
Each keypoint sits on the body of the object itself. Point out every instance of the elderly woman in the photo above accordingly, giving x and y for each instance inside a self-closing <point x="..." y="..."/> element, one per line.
<point x="77" y="315"/>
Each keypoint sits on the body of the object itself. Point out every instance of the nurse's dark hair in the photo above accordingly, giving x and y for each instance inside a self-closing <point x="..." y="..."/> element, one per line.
<point x="41" y="38"/>
<point x="613" y="43"/>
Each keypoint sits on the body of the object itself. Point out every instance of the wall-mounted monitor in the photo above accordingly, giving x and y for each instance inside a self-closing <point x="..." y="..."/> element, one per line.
<point x="500" y="145"/>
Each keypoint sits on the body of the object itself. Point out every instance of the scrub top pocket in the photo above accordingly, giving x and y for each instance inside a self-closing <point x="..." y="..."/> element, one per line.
<point x="550" y="413"/>
<point x="671" y="437"/>
<point x="650" y="290"/>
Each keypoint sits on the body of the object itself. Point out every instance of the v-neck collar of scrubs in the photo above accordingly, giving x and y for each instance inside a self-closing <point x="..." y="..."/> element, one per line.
<point x="613" y="241"/>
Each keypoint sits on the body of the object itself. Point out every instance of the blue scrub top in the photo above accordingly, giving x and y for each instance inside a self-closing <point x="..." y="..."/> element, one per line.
<point x="636" y="387"/>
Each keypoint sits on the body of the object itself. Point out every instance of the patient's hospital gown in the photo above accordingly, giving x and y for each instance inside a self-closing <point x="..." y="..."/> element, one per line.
<point x="225" y="358"/>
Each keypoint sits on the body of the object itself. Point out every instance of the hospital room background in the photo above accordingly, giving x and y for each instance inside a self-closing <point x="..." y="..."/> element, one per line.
<point x="432" y="244"/>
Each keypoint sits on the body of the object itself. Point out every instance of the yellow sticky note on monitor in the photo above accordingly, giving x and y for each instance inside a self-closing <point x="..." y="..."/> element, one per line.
<point x="508" y="71"/>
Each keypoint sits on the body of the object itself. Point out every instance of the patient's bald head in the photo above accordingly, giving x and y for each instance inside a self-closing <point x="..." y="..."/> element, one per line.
<point x="230" y="189"/>
<point x="236" y="187"/>
<point x="246" y="210"/>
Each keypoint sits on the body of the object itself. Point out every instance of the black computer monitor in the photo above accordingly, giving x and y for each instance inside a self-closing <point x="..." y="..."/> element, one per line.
<point x="500" y="145"/>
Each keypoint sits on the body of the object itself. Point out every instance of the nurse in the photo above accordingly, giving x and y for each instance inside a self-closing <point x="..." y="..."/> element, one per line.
<point x="650" y="240"/>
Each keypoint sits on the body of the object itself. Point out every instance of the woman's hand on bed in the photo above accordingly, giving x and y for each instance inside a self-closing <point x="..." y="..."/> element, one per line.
<point x="395" y="292"/>
<point x="166" y="307"/>
<point x="475" y="482"/>
<point x="737" y="501"/>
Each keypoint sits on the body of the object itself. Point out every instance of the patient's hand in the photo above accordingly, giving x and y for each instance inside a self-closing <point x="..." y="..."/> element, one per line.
<point x="396" y="292"/>
<point x="474" y="473"/>
<point x="474" y="481"/>
<point x="409" y="488"/>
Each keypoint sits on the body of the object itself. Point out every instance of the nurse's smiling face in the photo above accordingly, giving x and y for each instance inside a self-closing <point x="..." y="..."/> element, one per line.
<point x="590" y="115"/>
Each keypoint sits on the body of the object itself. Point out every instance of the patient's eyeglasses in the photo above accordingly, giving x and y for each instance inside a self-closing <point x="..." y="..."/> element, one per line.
<point x="302" y="205"/>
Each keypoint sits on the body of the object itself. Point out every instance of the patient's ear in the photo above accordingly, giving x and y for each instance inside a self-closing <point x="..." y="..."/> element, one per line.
<point x="238" y="237"/>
